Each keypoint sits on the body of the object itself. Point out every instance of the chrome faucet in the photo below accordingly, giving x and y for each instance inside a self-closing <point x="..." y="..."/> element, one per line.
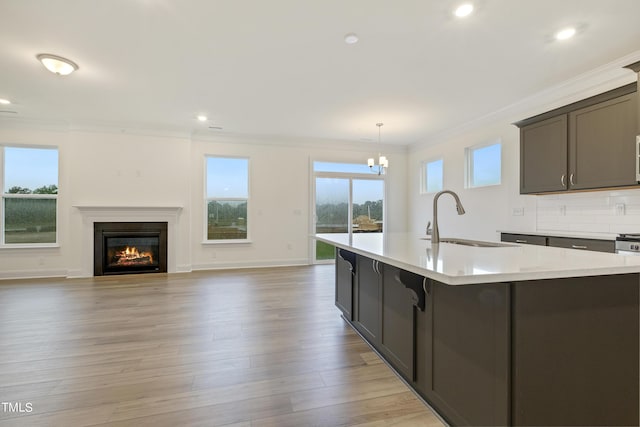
<point x="435" y="235"/>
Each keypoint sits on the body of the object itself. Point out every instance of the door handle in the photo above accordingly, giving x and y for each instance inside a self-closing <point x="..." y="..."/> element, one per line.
<point x="562" y="180"/>
<point x="521" y="241"/>
<point x="579" y="247"/>
<point x="571" y="180"/>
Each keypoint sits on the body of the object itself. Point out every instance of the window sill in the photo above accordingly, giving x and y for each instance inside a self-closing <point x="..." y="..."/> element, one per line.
<point x="227" y="242"/>
<point x="30" y="246"/>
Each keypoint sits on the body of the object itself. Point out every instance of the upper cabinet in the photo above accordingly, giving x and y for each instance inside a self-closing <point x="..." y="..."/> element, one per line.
<point x="586" y="145"/>
<point x="543" y="156"/>
<point x="602" y="143"/>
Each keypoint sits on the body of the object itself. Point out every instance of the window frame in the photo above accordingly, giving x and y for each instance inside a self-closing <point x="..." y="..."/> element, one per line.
<point x="423" y="175"/>
<point x="206" y="240"/>
<point x="4" y="196"/>
<point x="469" y="167"/>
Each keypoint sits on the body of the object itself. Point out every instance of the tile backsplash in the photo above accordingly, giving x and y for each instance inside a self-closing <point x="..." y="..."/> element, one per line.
<point x="611" y="212"/>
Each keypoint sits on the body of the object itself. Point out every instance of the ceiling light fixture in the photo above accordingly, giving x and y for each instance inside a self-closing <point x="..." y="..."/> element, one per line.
<point x="383" y="162"/>
<point x="5" y="102"/>
<point x="463" y="10"/>
<point x="351" y="38"/>
<point x="566" y="33"/>
<point x="202" y="118"/>
<point x="57" y="64"/>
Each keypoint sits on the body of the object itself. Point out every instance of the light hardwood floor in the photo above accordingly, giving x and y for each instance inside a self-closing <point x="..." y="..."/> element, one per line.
<point x="260" y="347"/>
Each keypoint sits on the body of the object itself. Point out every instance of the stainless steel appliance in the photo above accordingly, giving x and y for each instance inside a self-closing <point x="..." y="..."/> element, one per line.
<point x="628" y="244"/>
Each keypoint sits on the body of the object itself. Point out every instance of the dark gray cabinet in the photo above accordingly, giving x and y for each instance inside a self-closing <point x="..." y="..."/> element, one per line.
<point x="543" y="156"/>
<point x="345" y="276"/>
<point x="368" y="301"/>
<point x="598" y="245"/>
<point x="602" y="143"/>
<point x="528" y="239"/>
<point x="575" y="351"/>
<point x="589" y="144"/>
<point x="463" y="352"/>
<point x="583" y="244"/>
<point x="398" y="333"/>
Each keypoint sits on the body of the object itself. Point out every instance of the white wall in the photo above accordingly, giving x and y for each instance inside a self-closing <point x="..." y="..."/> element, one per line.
<point x="124" y="168"/>
<point x="488" y="209"/>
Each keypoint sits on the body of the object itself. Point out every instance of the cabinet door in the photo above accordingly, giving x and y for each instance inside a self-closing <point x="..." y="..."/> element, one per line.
<point x="583" y="244"/>
<point x="528" y="239"/>
<point x="543" y="156"/>
<point x="345" y="271"/>
<point x="367" y="315"/>
<point x="602" y="149"/>
<point x="463" y="350"/>
<point x="397" y="338"/>
<point x="575" y="351"/>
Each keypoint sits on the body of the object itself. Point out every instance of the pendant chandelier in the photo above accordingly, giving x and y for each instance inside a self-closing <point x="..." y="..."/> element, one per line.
<point x="383" y="162"/>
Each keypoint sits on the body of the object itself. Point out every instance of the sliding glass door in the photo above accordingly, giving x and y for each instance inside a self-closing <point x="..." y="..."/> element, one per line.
<point x="347" y="199"/>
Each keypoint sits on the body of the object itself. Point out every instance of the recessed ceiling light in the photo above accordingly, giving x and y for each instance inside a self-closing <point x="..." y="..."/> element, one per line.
<point x="566" y="33"/>
<point x="463" y="10"/>
<point x="202" y="118"/>
<point x="5" y="102"/>
<point x="57" y="64"/>
<point x="351" y="38"/>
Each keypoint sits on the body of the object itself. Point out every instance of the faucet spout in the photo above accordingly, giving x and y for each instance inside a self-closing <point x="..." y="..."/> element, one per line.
<point x="435" y="236"/>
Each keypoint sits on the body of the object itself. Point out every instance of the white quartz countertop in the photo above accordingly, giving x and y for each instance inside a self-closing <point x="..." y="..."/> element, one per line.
<point x="463" y="265"/>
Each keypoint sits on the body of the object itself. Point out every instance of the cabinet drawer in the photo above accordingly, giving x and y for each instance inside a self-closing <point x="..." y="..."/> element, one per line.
<point x="584" y="244"/>
<point x="524" y="238"/>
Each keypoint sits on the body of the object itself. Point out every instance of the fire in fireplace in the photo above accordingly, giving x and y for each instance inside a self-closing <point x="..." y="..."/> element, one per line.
<point x="130" y="247"/>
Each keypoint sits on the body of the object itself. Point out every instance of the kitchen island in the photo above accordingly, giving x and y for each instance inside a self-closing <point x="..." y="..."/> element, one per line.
<point x="505" y="335"/>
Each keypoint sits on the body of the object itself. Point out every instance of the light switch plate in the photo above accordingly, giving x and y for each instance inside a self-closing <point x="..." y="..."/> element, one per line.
<point x="518" y="211"/>
<point x="620" y="209"/>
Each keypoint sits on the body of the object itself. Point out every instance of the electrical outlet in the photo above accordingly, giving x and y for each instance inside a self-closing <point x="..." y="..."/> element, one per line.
<point x="518" y="212"/>
<point x="620" y="208"/>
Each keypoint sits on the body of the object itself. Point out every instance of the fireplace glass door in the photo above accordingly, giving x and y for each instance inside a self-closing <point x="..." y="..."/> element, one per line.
<point x="131" y="253"/>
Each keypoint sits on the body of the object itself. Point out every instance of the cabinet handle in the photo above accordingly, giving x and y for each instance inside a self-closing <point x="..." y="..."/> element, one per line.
<point x="571" y="180"/>
<point x="638" y="158"/>
<point x="562" y="180"/>
<point x="579" y="247"/>
<point x="521" y="241"/>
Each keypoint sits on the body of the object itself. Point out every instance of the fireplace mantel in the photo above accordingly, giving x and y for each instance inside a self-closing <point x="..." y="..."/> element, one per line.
<point x="119" y="213"/>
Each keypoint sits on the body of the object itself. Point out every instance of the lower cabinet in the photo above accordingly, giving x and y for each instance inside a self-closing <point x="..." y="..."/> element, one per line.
<point x="345" y="276"/>
<point x="575" y="351"/>
<point x="463" y="351"/>
<point x="367" y="313"/>
<point x="544" y="352"/>
<point x="384" y="312"/>
<point x="397" y="341"/>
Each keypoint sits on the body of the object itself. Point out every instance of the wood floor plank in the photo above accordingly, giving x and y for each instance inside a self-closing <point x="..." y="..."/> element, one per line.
<point x="253" y="347"/>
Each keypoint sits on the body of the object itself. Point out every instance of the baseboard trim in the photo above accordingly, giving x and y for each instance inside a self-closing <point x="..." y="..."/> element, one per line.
<point x="250" y="264"/>
<point x="32" y="274"/>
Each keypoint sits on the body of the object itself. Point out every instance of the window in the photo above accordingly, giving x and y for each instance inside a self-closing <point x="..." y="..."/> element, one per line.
<point x="227" y="198"/>
<point x="29" y="184"/>
<point x="348" y="199"/>
<point x="432" y="176"/>
<point x="484" y="165"/>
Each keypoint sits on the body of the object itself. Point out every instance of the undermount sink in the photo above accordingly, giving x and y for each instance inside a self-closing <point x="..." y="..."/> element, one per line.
<point x="475" y="243"/>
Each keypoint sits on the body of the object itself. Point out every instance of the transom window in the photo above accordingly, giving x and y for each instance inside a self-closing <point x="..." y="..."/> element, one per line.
<point x="432" y="176"/>
<point x="29" y="183"/>
<point x="483" y="165"/>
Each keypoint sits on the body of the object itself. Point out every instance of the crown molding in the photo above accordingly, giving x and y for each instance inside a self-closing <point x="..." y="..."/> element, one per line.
<point x="585" y="85"/>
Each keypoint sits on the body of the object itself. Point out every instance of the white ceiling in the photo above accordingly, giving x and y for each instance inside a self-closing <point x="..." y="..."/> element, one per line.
<point x="281" y="67"/>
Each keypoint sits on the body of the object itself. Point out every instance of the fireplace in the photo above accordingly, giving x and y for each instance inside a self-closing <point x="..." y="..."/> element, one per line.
<point x="129" y="247"/>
